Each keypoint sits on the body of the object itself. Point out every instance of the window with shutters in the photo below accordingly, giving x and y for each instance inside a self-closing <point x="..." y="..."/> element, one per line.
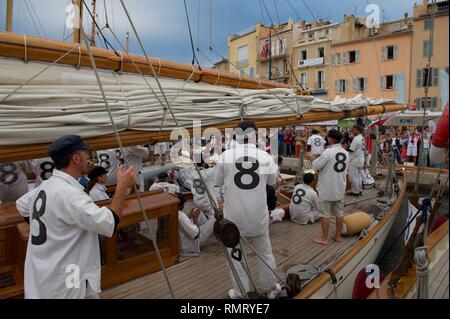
<point x="390" y="52"/>
<point x="430" y="103"/>
<point x="320" y="52"/>
<point x="320" y="84"/>
<point x="242" y="53"/>
<point x="388" y="82"/>
<point x="360" y="84"/>
<point x="303" y="80"/>
<point x="427" y="23"/>
<point x="341" y="86"/>
<point x="303" y="55"/>
<point x="337" y="58"/>
<point x="425" y="76"/>
<point x="427" y="48"/>
<point x="352" y="57"/>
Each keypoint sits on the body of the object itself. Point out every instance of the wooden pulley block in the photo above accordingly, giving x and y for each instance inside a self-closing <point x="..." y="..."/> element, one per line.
<point x="227" y="232"/>
<point x="293" y="286"/>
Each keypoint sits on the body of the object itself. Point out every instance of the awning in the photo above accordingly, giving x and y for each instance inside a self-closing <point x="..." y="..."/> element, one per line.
<point x="412" y="118"/>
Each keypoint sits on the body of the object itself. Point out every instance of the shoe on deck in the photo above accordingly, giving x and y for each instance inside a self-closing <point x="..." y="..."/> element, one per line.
<point x="274" y="292"/>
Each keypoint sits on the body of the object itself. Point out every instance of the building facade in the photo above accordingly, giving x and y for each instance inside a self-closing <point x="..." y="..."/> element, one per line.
<point x="374" y="62"/>
<point x="311" y="55"/>
<point x="274" y="50"/>
<point x="242" y="51"/>
<point x="439" y="56"/>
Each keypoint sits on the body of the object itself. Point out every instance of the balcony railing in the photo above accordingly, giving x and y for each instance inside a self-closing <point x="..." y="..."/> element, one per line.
<point x="242" y="63"/>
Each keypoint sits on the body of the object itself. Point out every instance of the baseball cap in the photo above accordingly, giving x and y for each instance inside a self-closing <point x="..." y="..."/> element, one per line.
<point x="66" y="145"/>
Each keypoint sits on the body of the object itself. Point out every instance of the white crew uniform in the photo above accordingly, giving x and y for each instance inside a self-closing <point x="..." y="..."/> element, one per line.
<point x="43" y="169"/>
<point x="245" y="204"/>
<point x="133" y="156"/>
<point x="110" y="160"/>
<point x="333" y="167"/>
<point x="317" y="144"/>
<point x="64" y="228"/>
<point x="304" y="206"/>
<point x="193" y="237"/>
<point x="167" y="187"/>
<point x="199" y="194"/>
<point x="13" y="181"/>
<point x="355" y="172"/>
<point x="411" y="150"/>
<point x="98" y="192"/>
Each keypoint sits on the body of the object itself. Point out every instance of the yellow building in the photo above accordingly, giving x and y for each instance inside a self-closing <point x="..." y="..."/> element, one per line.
<point x="274" y="49"/>
<point x="311" y="55"/>
<point x="374" y="62"/>
<point x="242" y="51"/>
<point x="439" y="54"/>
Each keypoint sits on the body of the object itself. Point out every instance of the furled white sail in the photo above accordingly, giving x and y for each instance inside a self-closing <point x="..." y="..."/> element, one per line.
<point x="63" y="100"/>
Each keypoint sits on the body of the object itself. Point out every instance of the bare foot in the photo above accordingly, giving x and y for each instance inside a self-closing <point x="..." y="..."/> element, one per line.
<point x="338" y="240"/>
<point x="320" y="241"/>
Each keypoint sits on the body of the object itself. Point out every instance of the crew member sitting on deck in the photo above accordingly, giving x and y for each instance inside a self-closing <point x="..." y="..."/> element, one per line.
<point x="13" y="181"/>
<point x="332" y="166"/>
<point x="98" y="177"/>
<point x="193" y="235"/>
<point x="199" y="194"/>
<point x="304" y="206"/>
<point x="163" y="183"/>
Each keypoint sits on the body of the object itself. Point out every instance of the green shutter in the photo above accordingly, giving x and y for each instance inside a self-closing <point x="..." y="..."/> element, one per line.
<point x="419" y="78"/>
<point x="435" y="76"/>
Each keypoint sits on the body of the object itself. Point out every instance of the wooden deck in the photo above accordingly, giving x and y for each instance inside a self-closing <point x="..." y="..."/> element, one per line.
<point x="207" y="276"/>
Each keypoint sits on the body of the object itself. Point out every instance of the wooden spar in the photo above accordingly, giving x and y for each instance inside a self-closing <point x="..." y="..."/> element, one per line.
<point x="92" y="39"/>
<point x="9" y="14"/>
<point x="12" y="153"/>
<point x="45" y="50"/>
<point x="77" y="22"/>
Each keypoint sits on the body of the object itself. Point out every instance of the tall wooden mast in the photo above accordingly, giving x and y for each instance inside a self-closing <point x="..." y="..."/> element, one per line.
<point x="78" y="21"/>
<point x="92" y="39"/>
<point x="9" y="13"/>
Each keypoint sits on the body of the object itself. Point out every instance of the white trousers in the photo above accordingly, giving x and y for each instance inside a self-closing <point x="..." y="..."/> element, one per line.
<point x="206" y="231"/>
<point x="355" y="176"/>
<point x="267" y="279"/>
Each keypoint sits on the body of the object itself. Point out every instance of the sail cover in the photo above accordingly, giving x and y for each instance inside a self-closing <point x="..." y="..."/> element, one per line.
<point x="63" y="100"/>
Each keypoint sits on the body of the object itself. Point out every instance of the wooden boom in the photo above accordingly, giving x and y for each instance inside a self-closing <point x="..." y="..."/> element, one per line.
<point x="133" y="137"/>
<point x="32" y="48"/>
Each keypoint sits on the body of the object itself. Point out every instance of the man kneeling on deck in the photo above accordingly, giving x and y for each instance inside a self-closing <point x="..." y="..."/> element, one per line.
<point x="163" y="183"/>
<point x="304" y="206"/>
<point x="332" y="165"/>
<point x="193" y="235"/>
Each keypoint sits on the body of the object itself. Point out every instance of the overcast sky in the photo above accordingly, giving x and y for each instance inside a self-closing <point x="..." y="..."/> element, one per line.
<point x="162" y="24"/>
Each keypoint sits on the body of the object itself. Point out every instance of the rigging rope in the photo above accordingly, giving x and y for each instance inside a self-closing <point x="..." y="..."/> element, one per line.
<point x="194" y="58"/>
<point x="293" y="9"/>
<point x="278" y="37"/>
<point x="152" y="234"/>
<point x="427" y="86"/>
